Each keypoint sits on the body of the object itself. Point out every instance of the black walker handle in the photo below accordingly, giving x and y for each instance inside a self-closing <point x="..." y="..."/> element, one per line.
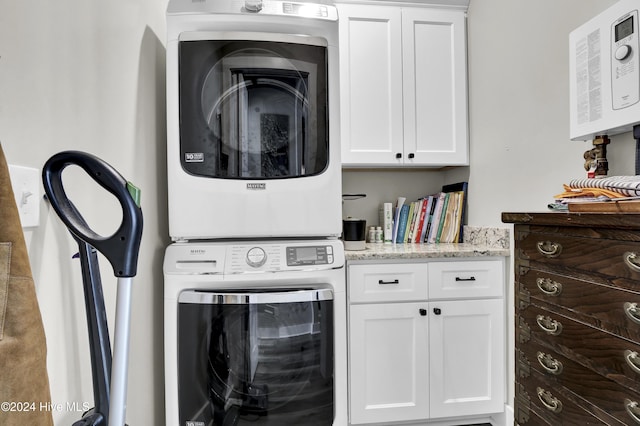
<point x="121" y="248"/>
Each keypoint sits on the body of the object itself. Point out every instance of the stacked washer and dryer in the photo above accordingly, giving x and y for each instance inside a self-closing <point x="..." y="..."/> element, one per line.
<point x="255" y="304"/>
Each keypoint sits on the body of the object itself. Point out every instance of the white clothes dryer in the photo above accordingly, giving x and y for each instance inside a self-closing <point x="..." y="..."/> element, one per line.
<point x="255" y="333"/>
<point x="253" y="142"/>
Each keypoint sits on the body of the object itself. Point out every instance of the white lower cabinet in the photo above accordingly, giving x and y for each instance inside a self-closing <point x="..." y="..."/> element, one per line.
<point x="389" y="362"/>
<point x="414" y="358"/>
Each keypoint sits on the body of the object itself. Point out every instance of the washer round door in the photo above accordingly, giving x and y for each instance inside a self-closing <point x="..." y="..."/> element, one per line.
<point x="256" y="358"/>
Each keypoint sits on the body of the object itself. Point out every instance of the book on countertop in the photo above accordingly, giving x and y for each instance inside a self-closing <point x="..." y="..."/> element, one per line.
<point x="463" y="188"/>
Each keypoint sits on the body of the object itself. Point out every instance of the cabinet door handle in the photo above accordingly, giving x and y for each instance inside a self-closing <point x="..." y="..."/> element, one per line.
<point x="550" y="364"/>
<point x="398" y="155"/>
<point x="549" y="401"/>
<point x="411" y="155"/>
<point x="437" y="311"/>
<point x="632" y="312"/>
<point x="549" y="286"/>
<point x="465" y="279"/>
<point x="632" y="360"/>
<point x="381" y="282"/>
<point x="549" y="249"/>
<point x="423" y="312"/>
<point x="632" y="410"/>
<point x="630" y="259"/>
<point x="548" y="325"/>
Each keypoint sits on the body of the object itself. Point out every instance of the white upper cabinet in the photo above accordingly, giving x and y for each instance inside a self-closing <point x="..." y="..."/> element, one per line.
<point x="403" y="77"/>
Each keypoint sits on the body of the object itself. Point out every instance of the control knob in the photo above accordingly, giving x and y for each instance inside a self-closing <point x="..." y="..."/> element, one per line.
<point x="256" y="257"/>
<point x="623" y="52"/>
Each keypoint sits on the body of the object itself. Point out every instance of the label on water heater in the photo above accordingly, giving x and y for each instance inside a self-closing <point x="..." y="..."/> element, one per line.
<point x="625" y="72"/>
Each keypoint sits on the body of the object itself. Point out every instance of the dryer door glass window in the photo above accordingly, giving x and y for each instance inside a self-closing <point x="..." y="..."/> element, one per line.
<point x="253" y="109"/>
<point x="256" y="358"/>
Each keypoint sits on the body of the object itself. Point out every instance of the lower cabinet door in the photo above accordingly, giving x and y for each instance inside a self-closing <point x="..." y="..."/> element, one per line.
<point x="467" y="357"/>
<point x="389" y="361"/>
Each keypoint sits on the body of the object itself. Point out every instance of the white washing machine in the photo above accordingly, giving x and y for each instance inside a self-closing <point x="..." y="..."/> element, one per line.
<point x="255" y="333"/>
<point x="253" y="120"/>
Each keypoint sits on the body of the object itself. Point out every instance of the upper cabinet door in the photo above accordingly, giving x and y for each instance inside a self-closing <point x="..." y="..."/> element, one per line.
<point x="435" y="86"/>
<point x="370" y="83"/>
<point x="403" y="82"/>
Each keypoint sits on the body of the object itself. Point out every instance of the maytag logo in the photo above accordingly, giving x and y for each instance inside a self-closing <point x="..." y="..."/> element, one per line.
<point x="195" y="252"/>
<point x="257" y="186"/>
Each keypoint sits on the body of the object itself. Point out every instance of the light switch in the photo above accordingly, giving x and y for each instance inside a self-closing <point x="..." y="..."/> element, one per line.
<point x="26" y="188"/>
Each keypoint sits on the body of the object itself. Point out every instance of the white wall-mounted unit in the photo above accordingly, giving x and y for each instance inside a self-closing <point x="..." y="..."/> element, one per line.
<point x="604" y="73"/>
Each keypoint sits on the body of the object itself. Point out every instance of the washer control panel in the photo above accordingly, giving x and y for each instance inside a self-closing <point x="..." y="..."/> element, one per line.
<point x="309" y="255"/>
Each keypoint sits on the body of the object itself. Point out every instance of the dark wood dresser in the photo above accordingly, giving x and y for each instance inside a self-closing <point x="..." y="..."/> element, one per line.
<point x="577" y="318"/>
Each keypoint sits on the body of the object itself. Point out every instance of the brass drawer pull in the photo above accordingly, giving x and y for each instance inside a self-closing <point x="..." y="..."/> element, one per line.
<point x="550" y="364"/>
<point x="632" y="360"/>
<point x="548" y="325"/>
<point x="632" y="311"/>
<point x="549" y="286"/>
<point x="632" y="409"/>
<point x="550" y="249"/>
<point x="630" y="259"/>
<point x="549" y="401"/>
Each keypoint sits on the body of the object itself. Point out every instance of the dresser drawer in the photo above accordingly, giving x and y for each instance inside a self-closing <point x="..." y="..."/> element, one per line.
<point x="593" y="259"/>
<point x="612" y="309"/>
<point x="553" y="404"/>
<point x="466" y="279"/>
<point x="607" y="354"/>
<point x="393" y="282"/>
<point x="559" y="370"/>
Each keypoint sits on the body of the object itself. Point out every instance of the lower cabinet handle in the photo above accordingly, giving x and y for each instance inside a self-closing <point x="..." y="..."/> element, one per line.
<point x="549" y="325"/>
<point x="632" y="311"/>
<point x="549" y="401"/>
<point x="632" y="360"/>
<point x="550" y="364"/>
<point x="630" y="258"/>
<point x="549" y="286"/>
<point x="388" y="282"/>
<point x="465" y="279"/>
<point x="632" y="410"/>
<point x="549" y="249"/>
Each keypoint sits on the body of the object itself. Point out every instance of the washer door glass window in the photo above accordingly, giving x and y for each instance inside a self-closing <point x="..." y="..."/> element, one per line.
<point x="256" y="358"/>
<point x="253" y="109"/>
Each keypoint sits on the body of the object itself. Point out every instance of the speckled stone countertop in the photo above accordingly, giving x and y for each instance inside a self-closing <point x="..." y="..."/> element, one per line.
<point x="477" y="242"/>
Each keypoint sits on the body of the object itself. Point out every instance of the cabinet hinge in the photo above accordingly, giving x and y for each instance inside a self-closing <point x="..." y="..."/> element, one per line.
<point x="523" y="331"/>
<point x="524" y="298"/>
<point x="522" y="405"/>
<point x="523" y="266"/>
<point x="523" y="366"/>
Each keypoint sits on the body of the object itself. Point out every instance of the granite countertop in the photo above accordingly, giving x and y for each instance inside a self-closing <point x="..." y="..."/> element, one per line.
<point x="478" y="242"/>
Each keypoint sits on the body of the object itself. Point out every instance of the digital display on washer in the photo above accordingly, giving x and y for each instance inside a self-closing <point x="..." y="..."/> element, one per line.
<point x="624" y="28"/>
<point x="308" y="255"/>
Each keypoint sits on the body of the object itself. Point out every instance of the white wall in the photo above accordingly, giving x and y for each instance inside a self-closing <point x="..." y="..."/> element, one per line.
<point x="89" y="75"/>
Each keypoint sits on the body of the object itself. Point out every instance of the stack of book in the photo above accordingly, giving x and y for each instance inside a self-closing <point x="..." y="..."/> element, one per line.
<point x="436" y="218"/>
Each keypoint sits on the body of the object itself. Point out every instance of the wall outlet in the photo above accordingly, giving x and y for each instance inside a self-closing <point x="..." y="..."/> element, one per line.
<point x="26" y="189"/>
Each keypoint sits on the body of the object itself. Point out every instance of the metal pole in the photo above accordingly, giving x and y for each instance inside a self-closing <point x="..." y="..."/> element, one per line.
<point x="119" y="368"/>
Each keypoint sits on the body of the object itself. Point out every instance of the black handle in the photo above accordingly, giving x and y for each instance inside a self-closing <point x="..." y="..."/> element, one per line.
<point x="437" y="311"/>
<point x="411" y="155"/>
<point x="388" y="282"/>
<point x="398" y="155"/>
<point x="423" y="312"/>
<point x="466" y="279"/>
<point x="121" y="248"/>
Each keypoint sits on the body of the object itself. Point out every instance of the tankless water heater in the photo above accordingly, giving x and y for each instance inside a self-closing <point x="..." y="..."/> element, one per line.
<point x="604" y="65"/>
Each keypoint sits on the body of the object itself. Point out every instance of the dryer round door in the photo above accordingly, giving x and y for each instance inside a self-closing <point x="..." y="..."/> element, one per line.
<point x="253" y="109"/>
